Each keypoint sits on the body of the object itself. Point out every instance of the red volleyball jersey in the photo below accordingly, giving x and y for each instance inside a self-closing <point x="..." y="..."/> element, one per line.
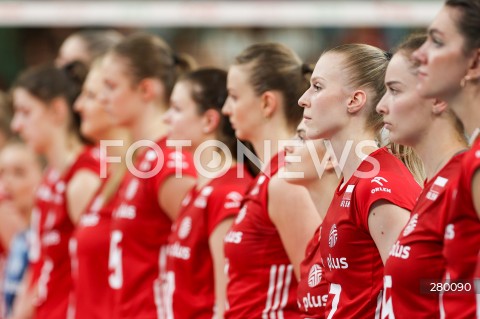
<point x="261" y="283"/>
<point x="352" y="263"/>
<point x="189" y="260"/>
<point x="44" y="200"/>
<point x="89" y="254"/>
<point x="415" y="261"/>
<point x="140" y="230"/>
<point x="312" y="292"/>
<point x="462" y="240"/>
<point x="55" y="281"/>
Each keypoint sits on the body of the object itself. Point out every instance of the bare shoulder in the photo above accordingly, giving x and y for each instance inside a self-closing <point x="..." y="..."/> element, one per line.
<point x="284" y="199"/>
<point x="279" y="187"/>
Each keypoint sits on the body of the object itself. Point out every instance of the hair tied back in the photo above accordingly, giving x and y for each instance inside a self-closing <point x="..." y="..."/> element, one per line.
<point x="76" y="72"/>
<point x="388" y="55"/>
<point x="176" y="59"/>
<point x="306" y="69"/>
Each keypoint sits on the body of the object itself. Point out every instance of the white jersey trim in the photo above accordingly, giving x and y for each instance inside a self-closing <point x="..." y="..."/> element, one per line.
<point x="277" y="293"/>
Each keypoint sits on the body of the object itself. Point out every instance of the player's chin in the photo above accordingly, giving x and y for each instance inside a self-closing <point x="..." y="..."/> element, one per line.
<point x="295" y="181"/>
<point x="291" y="176"/>
<point x="239" y="134"/>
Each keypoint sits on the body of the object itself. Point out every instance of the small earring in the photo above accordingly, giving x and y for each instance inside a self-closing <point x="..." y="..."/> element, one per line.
<point x="464" y="80"/>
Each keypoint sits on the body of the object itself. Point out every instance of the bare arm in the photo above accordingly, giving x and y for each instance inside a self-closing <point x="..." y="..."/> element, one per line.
<point x="80" y="191"/>
<point x="385" y="222"/>
<point x="23" y="306"/>
<point x="172" y="192"/>
<point x="218" y="256"/>
<point x="291" y="209"/>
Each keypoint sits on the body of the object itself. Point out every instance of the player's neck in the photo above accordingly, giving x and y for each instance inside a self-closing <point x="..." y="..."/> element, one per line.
<point x="149" y="126"/>
<point x="350" y="151"/>
<point x="434" y="162"/>
<point x="322" y="191"/>
<point x="212" y="165"/>
<point x="465" y="106"/>
<point x="63" y="151"/>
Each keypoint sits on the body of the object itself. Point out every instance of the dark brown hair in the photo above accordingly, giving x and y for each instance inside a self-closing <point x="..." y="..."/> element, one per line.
<point x="209" y="91"/>
<point x="47" y="82"/>
<point x="149" y="56"/>
<point x="6" y="114"/>
<point x="469" y="21"/>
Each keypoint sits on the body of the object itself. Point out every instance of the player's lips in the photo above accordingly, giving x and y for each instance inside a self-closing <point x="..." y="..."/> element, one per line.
<point x="7" y="195"/>
<point x="387" y="125"/>
<point x="421" y="74"/>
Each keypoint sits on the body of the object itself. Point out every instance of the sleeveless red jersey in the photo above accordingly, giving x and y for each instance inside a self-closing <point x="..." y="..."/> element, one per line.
<point x="89" y="254"/>
<point x="312" y="291"/>
<point x="55" y="281"/>
<point x="416" y="261"/>
<point x="140" y="230"/>
<point x="462" y="240"/>
<point x="189" y="260"/>
<point x="261" y="283"/>
<point x="352" y="263"/>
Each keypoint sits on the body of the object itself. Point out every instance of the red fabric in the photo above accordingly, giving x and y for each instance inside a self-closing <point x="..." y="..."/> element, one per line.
<point x="189" y="261"/>
<point x="140" y="229"/>
<point x="43" y="202"/>
<point x="261" y="279"/>
<point x="93" y="297"/>
<point x="312" y="292"/>
<point x="56" y="228"/>
<point x="416" y="258"/>
<point x="352" y="263"/>
<point x="462" y="239"/>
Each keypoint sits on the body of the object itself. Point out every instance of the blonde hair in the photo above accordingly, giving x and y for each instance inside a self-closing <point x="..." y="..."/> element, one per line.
<point x="366" y="66"/>
<point x="411" y="160"/>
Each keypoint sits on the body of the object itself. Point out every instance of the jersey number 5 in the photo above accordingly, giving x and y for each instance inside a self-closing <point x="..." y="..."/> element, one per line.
<point x="115" y="261"/>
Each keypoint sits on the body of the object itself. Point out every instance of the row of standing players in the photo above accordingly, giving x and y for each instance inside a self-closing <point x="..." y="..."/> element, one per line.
<point x="196" y="241"/>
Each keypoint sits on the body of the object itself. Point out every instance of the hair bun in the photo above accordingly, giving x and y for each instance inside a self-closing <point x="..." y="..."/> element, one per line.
<point x="176" y="58"/>
<point x="306" y="69"/>
<point x="388" y="55"/>
<point x="76" y="71"/>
